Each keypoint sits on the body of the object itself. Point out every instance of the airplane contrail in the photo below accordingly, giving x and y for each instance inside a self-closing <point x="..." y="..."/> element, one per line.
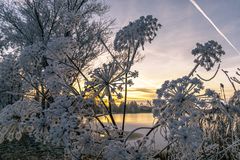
<point x="211" y="22"/>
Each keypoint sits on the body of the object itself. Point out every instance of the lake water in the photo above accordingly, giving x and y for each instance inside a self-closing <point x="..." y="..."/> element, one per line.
<point x="139" y="120"/>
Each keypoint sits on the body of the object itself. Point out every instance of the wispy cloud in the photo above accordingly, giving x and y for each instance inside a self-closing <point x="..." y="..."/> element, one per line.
<point x="141" y="94"/>
<point x="143" y="90"/>
<point x="211" y="22"/>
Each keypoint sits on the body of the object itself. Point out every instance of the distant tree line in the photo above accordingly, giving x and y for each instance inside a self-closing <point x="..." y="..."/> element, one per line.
<point x="132" y="107"/>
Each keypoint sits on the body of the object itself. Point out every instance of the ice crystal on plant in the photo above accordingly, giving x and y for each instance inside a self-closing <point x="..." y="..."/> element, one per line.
<point x="141" y="30"/>
<point x="67" y="123"/>
<point x="208" y="54"/>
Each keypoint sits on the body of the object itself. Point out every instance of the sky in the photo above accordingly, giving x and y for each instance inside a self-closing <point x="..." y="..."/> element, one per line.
<point x="169" y="56"/>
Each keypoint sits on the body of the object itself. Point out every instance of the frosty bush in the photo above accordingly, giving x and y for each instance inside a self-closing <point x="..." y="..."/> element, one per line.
<point x="53" y="59"/>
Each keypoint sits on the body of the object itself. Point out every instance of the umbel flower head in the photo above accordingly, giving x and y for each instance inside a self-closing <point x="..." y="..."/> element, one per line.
<point x="106" y="79"/>
<point x="179" y="91"/>
<point x="109" y="79"/>
<point x="141" y="30"/>
<point x="208" y="54"/>
<point x="182" y="93"/>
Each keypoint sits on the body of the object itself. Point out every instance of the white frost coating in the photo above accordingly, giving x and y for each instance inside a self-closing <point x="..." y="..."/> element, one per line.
<point x="141" y="30"/>
<point x="208" y="55"/>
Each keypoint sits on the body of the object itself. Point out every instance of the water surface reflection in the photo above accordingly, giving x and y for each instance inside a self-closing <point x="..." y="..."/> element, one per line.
<point x="139" y="120"/>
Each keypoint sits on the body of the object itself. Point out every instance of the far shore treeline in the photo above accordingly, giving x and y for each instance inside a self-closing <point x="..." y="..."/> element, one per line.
<point x="132" y="107"/>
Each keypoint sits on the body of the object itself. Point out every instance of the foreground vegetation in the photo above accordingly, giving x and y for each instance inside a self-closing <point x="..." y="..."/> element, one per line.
<point x="52" y="97"/>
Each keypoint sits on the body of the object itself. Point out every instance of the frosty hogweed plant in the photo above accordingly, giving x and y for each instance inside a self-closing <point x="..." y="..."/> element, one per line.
<point x="178" y="108"/>
<point x="208" y="54"/>
<point x="141" y="30"/>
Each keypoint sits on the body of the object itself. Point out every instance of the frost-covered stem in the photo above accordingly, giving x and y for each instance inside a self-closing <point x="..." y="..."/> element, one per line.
<point x="100" y="122"/>
<point x="193" y="70"/>
<point x="225" y="72"/>
<point x="114" y="58"/>
<point x="100" y="153"/>
<point x="37" y="97"/>
<point x="128" y="67"/>
<point x="235" y="79"/>
<point x="157" y="154"/>
<point x="125" y="102"/>
<point x="109" y="101"/>
<point x="152" y="129"/>
<point x="133" y="131"/>
<point x="43" y="98"/>
<point x="204" y="79"/>
<point x="111" y="116"/>
<point x="125" y="91"/>
<point x="36" y="88"/>
<point x="136" y="129"/>
<point x="110" y="107"/>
